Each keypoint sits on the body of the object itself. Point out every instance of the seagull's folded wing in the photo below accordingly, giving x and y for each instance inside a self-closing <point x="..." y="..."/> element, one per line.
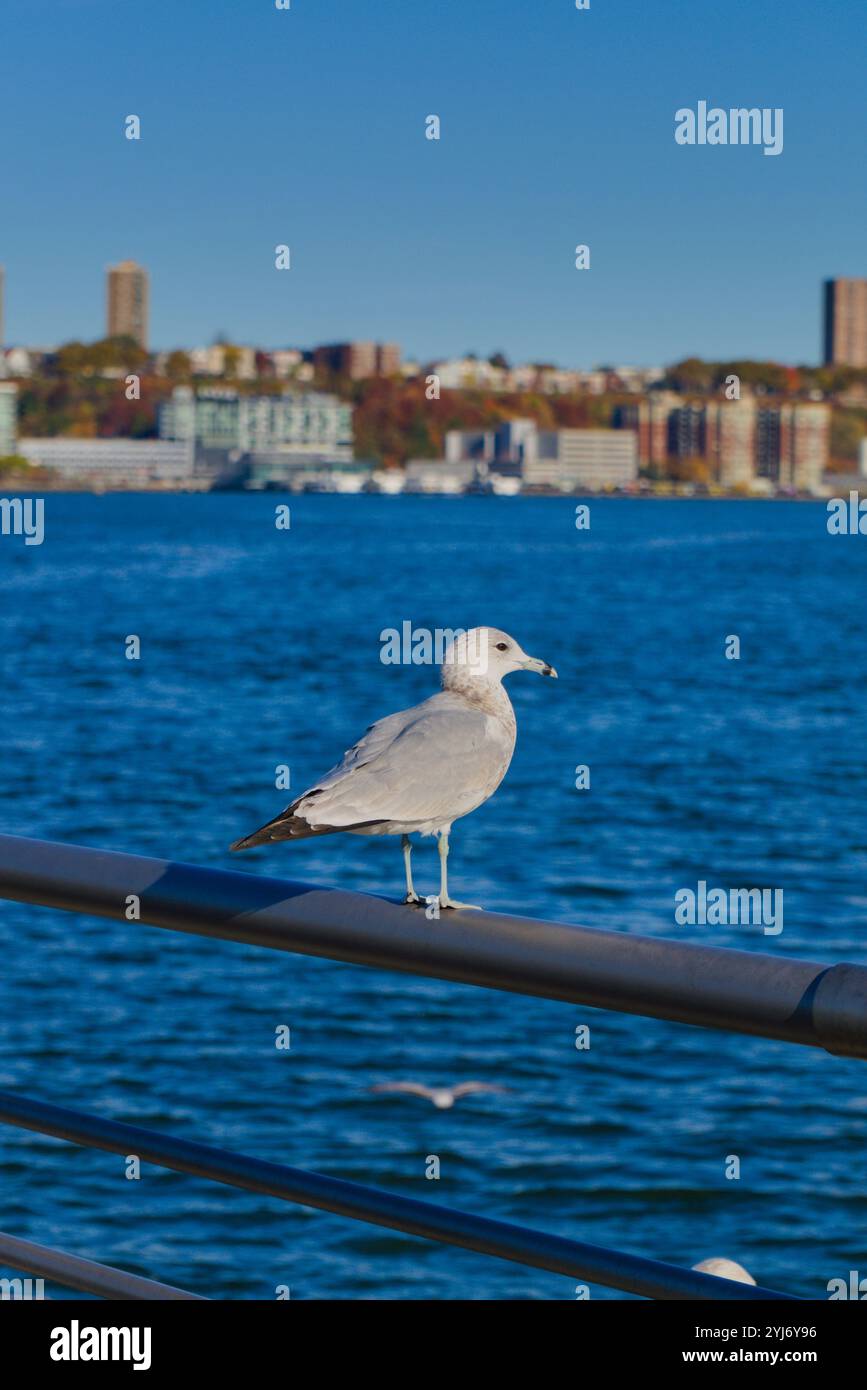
<point x="434" y="762"/>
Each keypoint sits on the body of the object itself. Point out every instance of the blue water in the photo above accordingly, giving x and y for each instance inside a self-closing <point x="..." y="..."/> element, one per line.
<point x="261" y="647"/>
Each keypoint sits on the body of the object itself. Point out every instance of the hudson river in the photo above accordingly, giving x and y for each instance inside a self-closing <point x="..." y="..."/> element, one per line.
<point x="259" y="648"/>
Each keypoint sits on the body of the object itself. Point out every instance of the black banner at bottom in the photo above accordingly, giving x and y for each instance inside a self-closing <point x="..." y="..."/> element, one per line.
<point x="66" y="1337"/>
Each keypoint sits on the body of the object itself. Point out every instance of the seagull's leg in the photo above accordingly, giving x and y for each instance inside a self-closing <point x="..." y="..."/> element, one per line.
<point x="445" y="900"/>
<point x="406" y="845"/>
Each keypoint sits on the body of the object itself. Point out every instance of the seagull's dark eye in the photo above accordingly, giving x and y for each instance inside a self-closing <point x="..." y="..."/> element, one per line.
<point x="502" y="646"/>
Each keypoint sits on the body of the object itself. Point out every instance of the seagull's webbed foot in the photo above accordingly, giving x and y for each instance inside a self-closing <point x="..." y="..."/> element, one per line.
<point x="412" y="900"/>
<point x="446" y="901"/>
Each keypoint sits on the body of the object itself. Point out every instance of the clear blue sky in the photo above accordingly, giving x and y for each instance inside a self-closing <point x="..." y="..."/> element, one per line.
<point x="307" y="127"/>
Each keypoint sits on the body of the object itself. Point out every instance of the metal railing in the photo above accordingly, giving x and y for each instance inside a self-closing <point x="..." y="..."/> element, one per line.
<point x="739" y="991"/>
<point x="630" y="1273"/>
<point x="75" y="1273"/>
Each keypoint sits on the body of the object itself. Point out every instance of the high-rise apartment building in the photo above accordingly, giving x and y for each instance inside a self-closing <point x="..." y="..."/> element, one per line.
<point x="805" y="436"/>
<point x="786" y="445"/>
<point x="127" y="302"/>
<point x="650" y="419"/>
<point x="846" y="323"/>
<point x="793" y="444"/>
<point x="730" y="433"/>
<point x="687" y="432"/>
<point x="768" y="443"/>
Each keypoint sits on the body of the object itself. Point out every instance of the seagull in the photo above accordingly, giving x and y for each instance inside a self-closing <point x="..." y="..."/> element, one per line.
<point x="425" y="767"/>
<point x="725" y="1269"/>
<point x="443" y="1097"/>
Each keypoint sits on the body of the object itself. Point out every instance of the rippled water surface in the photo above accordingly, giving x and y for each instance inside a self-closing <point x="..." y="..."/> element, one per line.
<point x="261" y="647"/>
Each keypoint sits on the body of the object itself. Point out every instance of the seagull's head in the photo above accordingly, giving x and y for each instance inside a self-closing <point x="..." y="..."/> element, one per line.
<point x="487" y="653"/>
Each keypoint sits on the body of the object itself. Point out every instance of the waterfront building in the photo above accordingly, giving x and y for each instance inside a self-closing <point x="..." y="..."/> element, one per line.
<point x="304" y="425"/>
<point x="649" y="419"/>
<point x="518" y="449"/>
<point x="767" y="459"/>
<point x="469" y="444"/>
<point x="8" y="418"/>
<point x="793" y="444"/>
<point x="299" y="473"/>
<point x="575" y="459"/>
<point x="114" y="463"/>
<point x="745" y="444"/>
<point x="730" y="437"/>
<point x="687" y="429"/>
<point x="805" y="435"/>
<point x="510" y="443"/>
<point x="515" y="442"/>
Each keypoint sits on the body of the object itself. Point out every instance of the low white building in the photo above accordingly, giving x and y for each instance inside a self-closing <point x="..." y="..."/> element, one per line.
<point x="122" y="463"/>
<point x="573" y="460"/>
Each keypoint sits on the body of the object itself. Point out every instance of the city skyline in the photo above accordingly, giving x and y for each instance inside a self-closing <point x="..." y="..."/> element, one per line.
<point x="843" y="333"/>
<point x="462" y="244"/>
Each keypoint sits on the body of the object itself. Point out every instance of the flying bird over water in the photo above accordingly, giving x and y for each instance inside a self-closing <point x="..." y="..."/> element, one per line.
<point x="424" y="768"/>
<point x="443" y="1097"/>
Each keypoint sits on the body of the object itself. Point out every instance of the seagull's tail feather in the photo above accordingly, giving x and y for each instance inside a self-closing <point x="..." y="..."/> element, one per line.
<point x="282" y="828"/>
<point x="289" y="826"/>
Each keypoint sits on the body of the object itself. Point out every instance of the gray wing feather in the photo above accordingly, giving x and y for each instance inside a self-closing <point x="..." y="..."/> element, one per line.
<point x="437" y="760"/>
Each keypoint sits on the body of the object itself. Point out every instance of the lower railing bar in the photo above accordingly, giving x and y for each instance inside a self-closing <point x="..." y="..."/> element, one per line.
<point x="774" y="996"/>
<point x="75" y="1273"/>
<point x="593" y="1263"/>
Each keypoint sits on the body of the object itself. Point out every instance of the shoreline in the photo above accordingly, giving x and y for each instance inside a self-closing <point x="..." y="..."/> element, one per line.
<point x="19" y="487"/>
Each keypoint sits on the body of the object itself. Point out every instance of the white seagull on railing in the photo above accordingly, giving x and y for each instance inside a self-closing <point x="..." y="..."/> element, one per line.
<point x="443" y="1097"/>
<point x="425" y="767"/>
